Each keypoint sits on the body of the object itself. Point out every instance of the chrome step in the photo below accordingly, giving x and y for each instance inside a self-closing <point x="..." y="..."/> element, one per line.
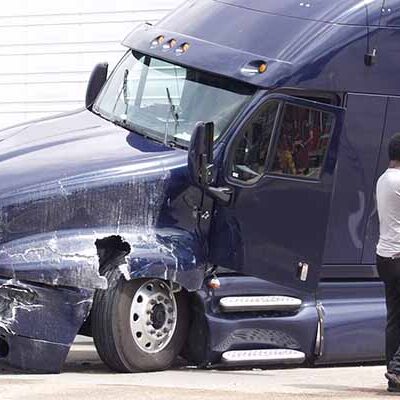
<point x="259" y="303"/>
<point x="269" y="356"/>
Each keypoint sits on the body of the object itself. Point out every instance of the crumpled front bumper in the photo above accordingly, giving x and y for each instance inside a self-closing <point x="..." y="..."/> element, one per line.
<point x="38" y="324"/>
<point x="47" y="284"/>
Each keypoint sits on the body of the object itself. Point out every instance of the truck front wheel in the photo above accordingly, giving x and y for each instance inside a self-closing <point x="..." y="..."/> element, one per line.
<point x="140" y="325"/>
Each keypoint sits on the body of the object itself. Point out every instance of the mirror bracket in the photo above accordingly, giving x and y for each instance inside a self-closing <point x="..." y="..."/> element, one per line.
<point x="223" y="194"/>
<point x="208" y="176"/>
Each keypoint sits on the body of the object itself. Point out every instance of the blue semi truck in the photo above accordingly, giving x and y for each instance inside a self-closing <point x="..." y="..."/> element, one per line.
<point x="214" y="199"/>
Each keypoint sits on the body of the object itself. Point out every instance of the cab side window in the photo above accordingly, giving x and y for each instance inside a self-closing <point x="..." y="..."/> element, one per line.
<point x="303" y="140"/>
<point x="251" y="149"/>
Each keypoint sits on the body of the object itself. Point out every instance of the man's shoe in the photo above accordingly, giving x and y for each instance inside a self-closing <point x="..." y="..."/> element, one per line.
<point x="393" y="382"/>
<point x="393" y="388"/>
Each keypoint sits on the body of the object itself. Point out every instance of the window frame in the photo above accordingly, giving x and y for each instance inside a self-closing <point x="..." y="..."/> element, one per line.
<point x="276" y="136"/>
<point x="239" y="136"/>
<point x="282" y="99"/>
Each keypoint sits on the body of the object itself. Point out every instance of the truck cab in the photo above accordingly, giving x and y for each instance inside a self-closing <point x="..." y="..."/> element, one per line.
<point x="214" y="199"/>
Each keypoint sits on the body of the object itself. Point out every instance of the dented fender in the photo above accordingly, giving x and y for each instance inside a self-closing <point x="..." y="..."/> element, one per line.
<point x="66" y="259"/>
<point x="48" y="281"/>
<point x="70" y="260"/>
<point x="176" y="256"/>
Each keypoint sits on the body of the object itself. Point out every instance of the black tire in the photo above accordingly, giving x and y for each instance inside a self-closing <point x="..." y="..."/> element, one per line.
<point x="112" y="333"/>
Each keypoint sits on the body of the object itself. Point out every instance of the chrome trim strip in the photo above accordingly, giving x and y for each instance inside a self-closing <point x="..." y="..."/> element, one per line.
<point x="259" y="303"/>
<point x="320" y="338"/>
<point x="266" y="356"/>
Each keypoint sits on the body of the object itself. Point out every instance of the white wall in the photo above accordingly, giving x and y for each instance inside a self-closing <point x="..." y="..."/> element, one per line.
<point x="49" y="47"/>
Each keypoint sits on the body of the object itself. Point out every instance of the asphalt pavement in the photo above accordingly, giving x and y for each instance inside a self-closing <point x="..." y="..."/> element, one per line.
<point x="85" y="377"/>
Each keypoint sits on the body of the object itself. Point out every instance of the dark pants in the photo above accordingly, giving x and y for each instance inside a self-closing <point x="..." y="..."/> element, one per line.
<point x="389" y="272"/>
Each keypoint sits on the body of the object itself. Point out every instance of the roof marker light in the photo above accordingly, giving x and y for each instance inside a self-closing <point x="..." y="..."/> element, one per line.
<point x="254" y="68"/>
<point x="158" y="41"/>
<point x="182" y="49"/>
<point x="262" y="68"/>
<point x="170" y="44"/>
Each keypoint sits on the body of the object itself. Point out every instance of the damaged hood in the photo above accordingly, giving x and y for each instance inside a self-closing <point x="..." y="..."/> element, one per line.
<point x="68" y="182"/>
<point x="73" y="144"/>
<point x="78" y="171"/>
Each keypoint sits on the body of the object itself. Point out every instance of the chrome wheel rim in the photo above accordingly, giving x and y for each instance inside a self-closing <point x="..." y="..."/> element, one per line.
<point x="153" y="316"/>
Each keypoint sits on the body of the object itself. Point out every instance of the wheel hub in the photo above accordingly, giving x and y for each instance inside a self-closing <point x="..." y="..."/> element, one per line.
<point x="153" y="316"/>
<point x="158" y="316"/>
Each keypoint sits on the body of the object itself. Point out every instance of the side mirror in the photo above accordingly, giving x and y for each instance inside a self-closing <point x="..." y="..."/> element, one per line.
<point x="201" y="161"/>
<point x="200" y="157"/>
<point x="97" y="80"/>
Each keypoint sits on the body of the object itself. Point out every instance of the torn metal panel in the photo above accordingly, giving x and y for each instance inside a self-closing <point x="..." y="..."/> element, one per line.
<point x="105" y="201"/>
<point x="70" y="259"/>
<point x="14" y="296"/>
<point x="53" y="259"/>
<point x="43" y="312"/>
<point x="41" y="318"/>
<point x="49" y="232"/>
<point x="171" y="255"/>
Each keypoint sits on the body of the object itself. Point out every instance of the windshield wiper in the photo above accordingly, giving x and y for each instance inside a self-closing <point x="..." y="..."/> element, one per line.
<point x="174" y="114"/>
<point x="125" y="91"/>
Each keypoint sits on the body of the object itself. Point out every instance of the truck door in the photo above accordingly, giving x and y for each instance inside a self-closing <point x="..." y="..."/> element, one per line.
<point x="280" y="166"/>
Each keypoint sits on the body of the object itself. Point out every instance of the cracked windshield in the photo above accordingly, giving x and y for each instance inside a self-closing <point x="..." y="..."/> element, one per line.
<point x="165" y="101"/>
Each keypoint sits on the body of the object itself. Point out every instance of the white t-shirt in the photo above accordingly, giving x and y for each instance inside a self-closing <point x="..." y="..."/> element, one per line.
<point x="388" y="202"/>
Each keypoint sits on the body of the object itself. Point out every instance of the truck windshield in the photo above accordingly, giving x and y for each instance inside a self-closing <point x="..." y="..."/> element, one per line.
<point x="165" y="101"/>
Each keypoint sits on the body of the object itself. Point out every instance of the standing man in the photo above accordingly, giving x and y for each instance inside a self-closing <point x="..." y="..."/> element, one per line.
<point x="388" y="258"/>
